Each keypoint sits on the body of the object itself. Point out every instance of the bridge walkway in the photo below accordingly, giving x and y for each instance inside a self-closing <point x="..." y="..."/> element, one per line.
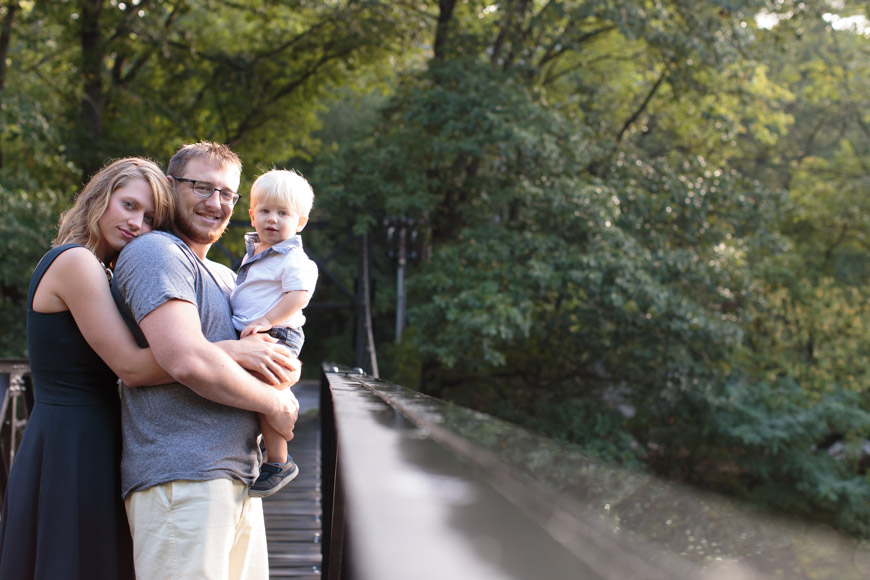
<point x="293" y="515"/>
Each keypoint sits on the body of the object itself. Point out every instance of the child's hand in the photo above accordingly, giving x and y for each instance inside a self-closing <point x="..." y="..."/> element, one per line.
<point x="259" y="325"/>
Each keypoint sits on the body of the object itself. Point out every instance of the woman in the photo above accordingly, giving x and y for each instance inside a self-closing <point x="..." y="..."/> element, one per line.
<point x="62" y="515"/>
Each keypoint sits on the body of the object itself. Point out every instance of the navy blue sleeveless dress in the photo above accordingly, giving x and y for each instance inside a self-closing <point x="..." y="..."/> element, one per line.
<point x="63" y="517"/>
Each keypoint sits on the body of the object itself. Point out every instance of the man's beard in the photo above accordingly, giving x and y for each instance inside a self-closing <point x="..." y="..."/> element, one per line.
<point x="184" y="225"/>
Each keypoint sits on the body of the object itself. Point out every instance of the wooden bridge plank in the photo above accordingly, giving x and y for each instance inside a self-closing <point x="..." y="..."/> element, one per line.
<point x="293" y="515"/>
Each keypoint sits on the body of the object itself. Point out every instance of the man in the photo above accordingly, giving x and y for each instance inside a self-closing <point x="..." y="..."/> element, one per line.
<point x="190" y="449"/>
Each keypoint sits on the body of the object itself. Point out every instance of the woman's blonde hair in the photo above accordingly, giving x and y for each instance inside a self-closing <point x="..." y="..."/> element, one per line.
<point x="78" y="225"/>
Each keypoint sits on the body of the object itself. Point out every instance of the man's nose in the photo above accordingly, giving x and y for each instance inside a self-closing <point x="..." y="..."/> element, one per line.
<point x="214" y="200"/>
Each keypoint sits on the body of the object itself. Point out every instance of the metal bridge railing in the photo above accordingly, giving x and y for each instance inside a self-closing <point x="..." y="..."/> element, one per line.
<point x="414" y="487"/>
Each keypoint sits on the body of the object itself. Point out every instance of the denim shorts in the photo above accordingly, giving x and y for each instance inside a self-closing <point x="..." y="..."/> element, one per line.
<point x="292" y="338"/>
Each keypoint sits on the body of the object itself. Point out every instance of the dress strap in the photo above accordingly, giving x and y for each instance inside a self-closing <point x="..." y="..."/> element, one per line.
<point x="41" y="268"/>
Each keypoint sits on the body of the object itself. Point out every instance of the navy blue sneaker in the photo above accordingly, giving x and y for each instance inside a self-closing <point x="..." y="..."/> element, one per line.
<point x="273" y="476"/>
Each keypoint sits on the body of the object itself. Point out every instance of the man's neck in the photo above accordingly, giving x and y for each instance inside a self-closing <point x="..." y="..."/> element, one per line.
<point x="200" y="250"/>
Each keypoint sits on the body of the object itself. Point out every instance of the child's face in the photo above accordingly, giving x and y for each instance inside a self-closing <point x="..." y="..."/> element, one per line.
<point x="275" y="222"/>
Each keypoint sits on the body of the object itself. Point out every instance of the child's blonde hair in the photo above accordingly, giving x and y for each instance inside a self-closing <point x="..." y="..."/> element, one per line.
<point x="283" y="186"/>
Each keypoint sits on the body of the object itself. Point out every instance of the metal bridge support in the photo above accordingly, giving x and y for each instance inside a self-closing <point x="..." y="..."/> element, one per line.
<point x="14" y="412"/>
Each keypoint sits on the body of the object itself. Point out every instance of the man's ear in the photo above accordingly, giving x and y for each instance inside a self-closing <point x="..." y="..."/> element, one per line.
<point x="302" y="222"/>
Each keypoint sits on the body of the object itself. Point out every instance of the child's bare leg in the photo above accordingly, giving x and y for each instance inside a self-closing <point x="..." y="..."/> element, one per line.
<point x="278" y="469"/>
<point x="276" y="445"/>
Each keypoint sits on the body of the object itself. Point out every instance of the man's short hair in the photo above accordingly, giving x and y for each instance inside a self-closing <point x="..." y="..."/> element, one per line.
<point x="216" y="153"/>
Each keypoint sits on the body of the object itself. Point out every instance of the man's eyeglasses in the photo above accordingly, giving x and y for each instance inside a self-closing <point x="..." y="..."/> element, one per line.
<point x="205" y="190"/>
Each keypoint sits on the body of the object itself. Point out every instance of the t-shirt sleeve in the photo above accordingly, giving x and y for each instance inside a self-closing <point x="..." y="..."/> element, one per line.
<point x="300" y="275"/>
<point x="151" y="271"/>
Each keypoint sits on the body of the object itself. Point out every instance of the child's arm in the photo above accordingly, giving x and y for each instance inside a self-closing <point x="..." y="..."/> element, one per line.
<point x="291" y="303"/>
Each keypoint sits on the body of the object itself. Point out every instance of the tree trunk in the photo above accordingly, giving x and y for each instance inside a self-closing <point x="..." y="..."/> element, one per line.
<point x="90" y="130"/>
<point x="445" y="14"/>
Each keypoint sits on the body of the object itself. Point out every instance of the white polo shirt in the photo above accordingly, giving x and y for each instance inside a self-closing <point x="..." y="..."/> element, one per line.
<point x="262" y="280"/>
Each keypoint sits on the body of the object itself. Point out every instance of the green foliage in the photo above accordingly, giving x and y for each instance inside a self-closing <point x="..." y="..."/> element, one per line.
<point x="773" y="445"/>
<point x="401" y="361"/>
<point x="27" y="226"/>
<point x="601" y="431"/>
<point x="809" y="332"/>
<point x="623" y="247"/>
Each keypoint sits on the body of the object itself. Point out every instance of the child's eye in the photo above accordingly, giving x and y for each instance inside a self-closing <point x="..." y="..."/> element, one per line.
<point x="282" y="213"/>
<point x="149" y="219"/>
<point x="128" y="205"/>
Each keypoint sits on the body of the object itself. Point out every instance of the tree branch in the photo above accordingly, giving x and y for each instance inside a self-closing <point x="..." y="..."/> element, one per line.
<point x="634" y="117"/>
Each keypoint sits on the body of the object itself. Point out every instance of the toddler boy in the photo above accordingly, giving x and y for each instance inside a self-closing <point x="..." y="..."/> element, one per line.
<point x="274" y="284"/>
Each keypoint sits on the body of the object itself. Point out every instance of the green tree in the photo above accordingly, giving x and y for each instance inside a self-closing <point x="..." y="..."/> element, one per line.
<point x="608" y="241"/>
<point x="84" y="81"/>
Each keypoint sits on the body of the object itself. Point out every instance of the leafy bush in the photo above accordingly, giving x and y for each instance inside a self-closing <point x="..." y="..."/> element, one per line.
<point x="771" y="444"/>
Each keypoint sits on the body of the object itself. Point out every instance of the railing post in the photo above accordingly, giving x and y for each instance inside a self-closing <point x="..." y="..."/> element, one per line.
<point x="366" y="357"/>
<point x="333" y="499"/>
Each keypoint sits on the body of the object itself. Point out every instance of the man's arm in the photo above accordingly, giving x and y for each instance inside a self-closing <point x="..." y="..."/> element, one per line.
<point x="174" y="333"/>
<point x="264" y="356"/>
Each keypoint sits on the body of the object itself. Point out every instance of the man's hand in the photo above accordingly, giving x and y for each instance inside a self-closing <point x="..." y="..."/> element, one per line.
<point x="262" y="355"/>
<point x="293" y="376"/>
<point x="284" y="420"/>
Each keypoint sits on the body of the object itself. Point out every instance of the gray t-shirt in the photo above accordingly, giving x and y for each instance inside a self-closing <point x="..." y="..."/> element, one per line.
<point x="171" y="433"/>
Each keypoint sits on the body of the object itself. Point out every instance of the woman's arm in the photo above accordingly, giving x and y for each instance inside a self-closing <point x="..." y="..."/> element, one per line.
<point x="76" y="281"/>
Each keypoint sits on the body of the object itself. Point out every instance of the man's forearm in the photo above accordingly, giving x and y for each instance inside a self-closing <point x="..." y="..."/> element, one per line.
<point x="175" y="334"/>
<point x="215" y="376"/>
<point x="219" y="379"/>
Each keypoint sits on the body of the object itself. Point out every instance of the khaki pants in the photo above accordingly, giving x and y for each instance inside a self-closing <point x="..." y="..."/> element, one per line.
<point x="198" y="530"/>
